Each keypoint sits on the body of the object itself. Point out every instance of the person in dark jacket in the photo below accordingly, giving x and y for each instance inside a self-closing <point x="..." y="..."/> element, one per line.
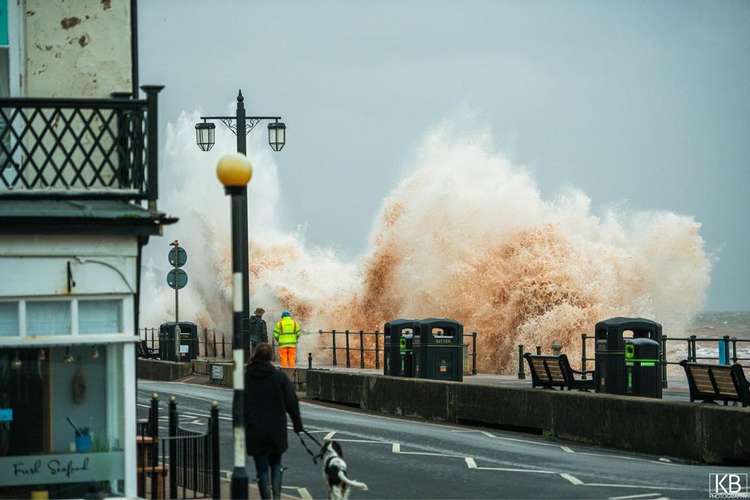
<point x="269" y="396"/>
<point x="257" y="331"/>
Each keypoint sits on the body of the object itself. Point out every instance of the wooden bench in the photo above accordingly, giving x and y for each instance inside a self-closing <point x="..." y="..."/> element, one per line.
<point x="712" y="383"/>
<point x="555" y="371"/>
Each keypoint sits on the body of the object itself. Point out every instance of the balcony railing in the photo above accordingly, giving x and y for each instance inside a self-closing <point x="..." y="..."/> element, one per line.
<point x="53" y="148"/>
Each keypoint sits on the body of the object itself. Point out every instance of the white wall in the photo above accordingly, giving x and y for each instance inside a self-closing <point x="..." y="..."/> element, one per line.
<point x="37" y="265"/>
<point x="77" y="48"/>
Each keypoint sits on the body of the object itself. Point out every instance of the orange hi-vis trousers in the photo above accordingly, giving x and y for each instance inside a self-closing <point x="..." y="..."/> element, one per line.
<point x="288" y="356"/>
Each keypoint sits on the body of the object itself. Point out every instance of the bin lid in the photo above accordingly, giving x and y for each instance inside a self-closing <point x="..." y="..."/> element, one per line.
<point x="440" y="323"/>
<point x="402" y="323"/>
<point x="186" y="327"/>
<point x="627" y="323"/>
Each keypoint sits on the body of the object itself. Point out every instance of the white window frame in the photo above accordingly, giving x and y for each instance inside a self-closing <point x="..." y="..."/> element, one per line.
<point x="75" y="337"/>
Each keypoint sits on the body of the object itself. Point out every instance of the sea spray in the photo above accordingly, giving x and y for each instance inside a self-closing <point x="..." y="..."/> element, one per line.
<point x="465" y="234"/>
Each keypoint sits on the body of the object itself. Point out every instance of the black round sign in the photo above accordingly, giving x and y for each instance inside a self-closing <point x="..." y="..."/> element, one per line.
<point x="177" y="278"/>
<point x="178" y="258"/>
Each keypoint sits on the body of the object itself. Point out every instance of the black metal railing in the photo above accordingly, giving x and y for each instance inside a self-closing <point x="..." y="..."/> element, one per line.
<point x="55" y="148"/>
<point x="182" y="464"/>
<point x="208" y="344"/>
<point x="366" y="348"/>
<point x="691" y="343"/>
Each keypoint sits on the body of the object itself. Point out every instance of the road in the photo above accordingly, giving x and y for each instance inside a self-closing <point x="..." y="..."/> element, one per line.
<point x="404" y="458"/>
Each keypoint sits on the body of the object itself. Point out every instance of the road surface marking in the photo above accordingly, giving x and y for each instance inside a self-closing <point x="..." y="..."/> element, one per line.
<point x="302" y="492"/>
<point x="396" y="448"/>
<point x="643" y="495"/>
<point x="471" y="463"/>
<point x="605" y="485"/>
<point x="570" y="477"/>
<point x="566" y="449"/>
<point x="362" y="441"/>
<point x="329" y="436"/>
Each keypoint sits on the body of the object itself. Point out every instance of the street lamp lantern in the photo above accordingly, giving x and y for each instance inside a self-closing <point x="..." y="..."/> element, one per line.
<point x="276" y="135"/>
<point x="234" y="171"/>
<point x="205" y="135"/>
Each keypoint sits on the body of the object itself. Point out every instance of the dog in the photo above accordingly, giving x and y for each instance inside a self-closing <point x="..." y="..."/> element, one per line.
<point x="334" y="472"/>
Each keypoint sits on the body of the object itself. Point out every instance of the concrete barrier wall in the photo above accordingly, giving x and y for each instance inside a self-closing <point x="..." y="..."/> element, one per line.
<point x="155" y="369"/>
<point x="707" y="433"/>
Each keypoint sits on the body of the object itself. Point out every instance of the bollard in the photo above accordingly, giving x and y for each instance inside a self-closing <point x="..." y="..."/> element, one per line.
<point x="521" y="374"/>
<point x="154" y="415"/>
<point x="556" y="347"/>
<point x="538" y="350"/>
<point x="172" y="447"/>
<point x="309" y="361"/>
<point x="215" y="455"/>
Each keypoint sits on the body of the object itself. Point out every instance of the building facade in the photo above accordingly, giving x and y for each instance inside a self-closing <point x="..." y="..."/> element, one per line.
<point x="78" y="201"/>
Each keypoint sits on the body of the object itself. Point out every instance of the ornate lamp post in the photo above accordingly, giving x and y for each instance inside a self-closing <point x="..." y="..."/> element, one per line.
<point x="234" y="172"/>
<point x="205" y="132"/>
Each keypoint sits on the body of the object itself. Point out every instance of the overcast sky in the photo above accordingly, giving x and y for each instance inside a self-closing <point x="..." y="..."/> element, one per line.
<point x="641" y="104"/>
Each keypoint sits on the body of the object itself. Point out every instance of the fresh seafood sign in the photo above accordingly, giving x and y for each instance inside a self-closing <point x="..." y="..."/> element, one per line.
<point x="67" y="468"/>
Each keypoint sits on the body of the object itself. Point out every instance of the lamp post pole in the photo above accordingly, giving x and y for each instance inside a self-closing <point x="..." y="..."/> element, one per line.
<point x="241" y="266"/>
<point x="244" y="236"/>
<point x="235" y="172"/>
<point x="239" y="294"/>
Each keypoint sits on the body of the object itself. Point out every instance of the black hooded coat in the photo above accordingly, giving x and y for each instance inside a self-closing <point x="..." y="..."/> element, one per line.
<point x="269" y="396"/>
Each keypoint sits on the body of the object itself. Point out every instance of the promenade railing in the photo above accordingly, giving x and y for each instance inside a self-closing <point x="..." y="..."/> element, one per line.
<point x="358" y="348"/>
<point x="695" y="349"/>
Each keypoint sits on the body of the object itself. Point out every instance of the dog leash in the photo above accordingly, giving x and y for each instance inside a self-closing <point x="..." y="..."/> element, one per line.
<point x="304" y="445"/>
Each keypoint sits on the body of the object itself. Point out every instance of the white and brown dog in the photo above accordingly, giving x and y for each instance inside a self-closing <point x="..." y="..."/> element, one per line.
<point x="334" y="472"/>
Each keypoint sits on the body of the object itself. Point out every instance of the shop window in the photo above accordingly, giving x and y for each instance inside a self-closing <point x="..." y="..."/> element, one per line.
<point x="99" y="316"/>
<point x="47" y="318"/>
<point x="61" y="421"/>
<point x="8" y="319"/>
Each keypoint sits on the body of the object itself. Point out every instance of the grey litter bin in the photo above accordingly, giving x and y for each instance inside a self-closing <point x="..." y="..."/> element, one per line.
<point x="611" y="371"/>
<point x="398" y="355"/>
<point x="643" y="365"/>
<point x="438" y="350"/>
<point x="183" y="349"/>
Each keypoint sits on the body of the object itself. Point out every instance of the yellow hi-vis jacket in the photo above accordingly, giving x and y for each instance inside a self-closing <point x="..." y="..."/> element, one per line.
<point x="286" y="332"/>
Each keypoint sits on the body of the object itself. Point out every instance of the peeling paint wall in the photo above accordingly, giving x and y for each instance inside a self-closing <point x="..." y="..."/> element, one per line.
<point x="77" y="48"/>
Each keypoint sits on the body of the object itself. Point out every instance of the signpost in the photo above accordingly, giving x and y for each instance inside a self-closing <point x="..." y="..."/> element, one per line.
<point x="177" y="278"/>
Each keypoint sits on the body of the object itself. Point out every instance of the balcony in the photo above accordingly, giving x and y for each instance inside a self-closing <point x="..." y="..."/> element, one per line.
<point x="95" y="149"/>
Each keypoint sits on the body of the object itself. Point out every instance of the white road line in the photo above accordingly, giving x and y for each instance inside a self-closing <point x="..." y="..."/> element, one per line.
<point x="506" y="469"/>
<point x="566" y="449"/>
<point x="471" y="463"/>
<point x="571" y="478"/>
<point x="643" y="495"/>
<point x="362" y="441"/>
<point x="396" y="448"/>
<point x="329" y="436"/>
<point x="636" y="486"/>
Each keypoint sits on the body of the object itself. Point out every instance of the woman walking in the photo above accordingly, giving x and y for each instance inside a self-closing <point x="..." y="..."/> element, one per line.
<point x="269" y="396"/>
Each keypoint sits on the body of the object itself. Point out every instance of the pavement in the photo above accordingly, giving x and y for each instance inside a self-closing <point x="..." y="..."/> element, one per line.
<point x="408" y="458"/>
